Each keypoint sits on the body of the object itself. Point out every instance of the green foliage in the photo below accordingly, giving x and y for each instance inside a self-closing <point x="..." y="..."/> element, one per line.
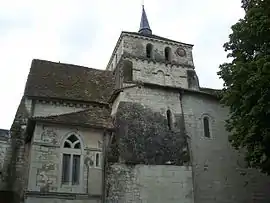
<point x="247" y="84"/>
<point x="144" y="137"/>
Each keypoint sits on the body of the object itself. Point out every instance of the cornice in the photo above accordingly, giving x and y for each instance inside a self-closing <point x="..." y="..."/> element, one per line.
<point x="162" y="62"/>
<point x="68" y="103"/>
<point x="58" y="195"/>
<point x="153" y="39"/>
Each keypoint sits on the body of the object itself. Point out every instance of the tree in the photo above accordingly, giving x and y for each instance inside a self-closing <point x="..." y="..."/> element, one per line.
<point x="247" y="84"/>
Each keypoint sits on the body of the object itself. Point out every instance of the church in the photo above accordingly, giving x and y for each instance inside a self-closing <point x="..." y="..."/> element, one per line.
<point x="140" y="131"/>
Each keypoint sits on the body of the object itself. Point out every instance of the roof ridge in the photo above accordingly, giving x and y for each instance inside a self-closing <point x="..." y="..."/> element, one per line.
<point x="69" y="64"/>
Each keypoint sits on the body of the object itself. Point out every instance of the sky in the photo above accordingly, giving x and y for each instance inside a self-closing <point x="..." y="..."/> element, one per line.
<point x="84" y="32"/>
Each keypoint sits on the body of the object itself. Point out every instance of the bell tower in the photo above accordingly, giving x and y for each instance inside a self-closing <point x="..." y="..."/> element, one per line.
<point x="147" y="111"/>
<point x="148" y="58"/>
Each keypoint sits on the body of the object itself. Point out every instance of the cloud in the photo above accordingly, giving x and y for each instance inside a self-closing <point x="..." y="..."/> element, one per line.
<point x="84" y="32"/>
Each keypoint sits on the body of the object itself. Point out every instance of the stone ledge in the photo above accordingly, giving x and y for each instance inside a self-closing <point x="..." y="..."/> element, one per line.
<point x="59" y="195"/>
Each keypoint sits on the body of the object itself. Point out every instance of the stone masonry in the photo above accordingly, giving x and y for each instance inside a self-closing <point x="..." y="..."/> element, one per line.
<point x="151" y="184"/>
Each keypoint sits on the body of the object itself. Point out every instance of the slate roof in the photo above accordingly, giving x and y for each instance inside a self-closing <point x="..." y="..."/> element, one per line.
<point x="144" y="25"/>
<point x="93" y="117"/>
<point x="71" y="82"/>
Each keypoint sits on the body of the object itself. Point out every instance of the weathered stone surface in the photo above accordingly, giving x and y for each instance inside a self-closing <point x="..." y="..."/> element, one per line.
<point x="219" y="171"/>
<point x="151" y="184"/>
<point x="144" y="137"/>
<point x="45" y="159"/>
<point x="156" y="70"/>
<point x="4" y="155"/>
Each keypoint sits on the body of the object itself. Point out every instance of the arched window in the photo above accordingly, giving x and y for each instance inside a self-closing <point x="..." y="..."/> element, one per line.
<point x="168" y="54"/>
<point x="206" y="126"/>
<point x="71" y="160"/>
<point x="169" y="119"/>
<point x="149" y="51"/>
<point x="127" y="71"/>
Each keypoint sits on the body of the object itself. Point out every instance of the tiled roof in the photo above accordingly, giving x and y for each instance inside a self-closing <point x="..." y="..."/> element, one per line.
<point x="70" y="82"/>
<point x="214" y="92"/>
<point x="93" y="116"/>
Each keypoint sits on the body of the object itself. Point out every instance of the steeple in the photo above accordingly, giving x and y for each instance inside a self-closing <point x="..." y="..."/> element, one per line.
<point x="144" y="26"/>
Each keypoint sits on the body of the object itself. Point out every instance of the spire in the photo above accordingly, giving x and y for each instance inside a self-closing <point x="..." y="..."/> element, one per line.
<point x="144" y="26"/>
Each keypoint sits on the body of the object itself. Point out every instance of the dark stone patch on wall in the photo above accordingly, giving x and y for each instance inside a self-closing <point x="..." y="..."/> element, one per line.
<point x="193" y="81"/>
<point x="9" y="197"/>
<point x="158" y="56"/>
<point x="121" y="184"/>
<point x="127" y="69"/>
<point x="143" y="137"/>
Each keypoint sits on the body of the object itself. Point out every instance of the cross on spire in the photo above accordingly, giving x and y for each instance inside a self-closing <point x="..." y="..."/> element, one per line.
<point x="144" y="26"/>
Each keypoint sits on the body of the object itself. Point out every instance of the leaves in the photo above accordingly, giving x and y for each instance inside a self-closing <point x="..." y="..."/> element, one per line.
<point x="247" y="84"/>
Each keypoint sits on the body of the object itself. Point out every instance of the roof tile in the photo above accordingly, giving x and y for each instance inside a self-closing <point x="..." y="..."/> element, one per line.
<point x="66" y="81"/>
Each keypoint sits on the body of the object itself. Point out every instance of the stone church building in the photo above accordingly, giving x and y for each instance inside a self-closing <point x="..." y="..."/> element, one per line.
<point x="141" y="131"/>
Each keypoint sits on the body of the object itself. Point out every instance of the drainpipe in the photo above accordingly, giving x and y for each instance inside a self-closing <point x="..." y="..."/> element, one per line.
<point x="188" y="139"/>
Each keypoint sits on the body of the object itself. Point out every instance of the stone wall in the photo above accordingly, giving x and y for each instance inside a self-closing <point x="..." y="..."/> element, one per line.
<point x="159" y="73"/>
<point x="159" y="100"/>
<point x="4" y="147"/>
<point x="136" y="46"/>
<point x="151" y="184"/>
<point x="144" y="137"/>
<point x="156" y="70"/>
<point x="116" y="56"/>
<point x="219" y="171"/>
<point x="46" y="167"/>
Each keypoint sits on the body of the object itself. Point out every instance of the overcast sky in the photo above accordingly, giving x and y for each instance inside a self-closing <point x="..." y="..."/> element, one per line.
<point x="84" y="32"/>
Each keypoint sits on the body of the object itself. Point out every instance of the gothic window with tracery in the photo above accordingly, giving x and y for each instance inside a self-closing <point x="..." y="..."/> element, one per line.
<point x="71" y="160"/>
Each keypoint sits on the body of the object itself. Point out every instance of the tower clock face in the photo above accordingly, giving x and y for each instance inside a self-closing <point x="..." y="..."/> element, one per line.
<point x="181" y="52"/>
